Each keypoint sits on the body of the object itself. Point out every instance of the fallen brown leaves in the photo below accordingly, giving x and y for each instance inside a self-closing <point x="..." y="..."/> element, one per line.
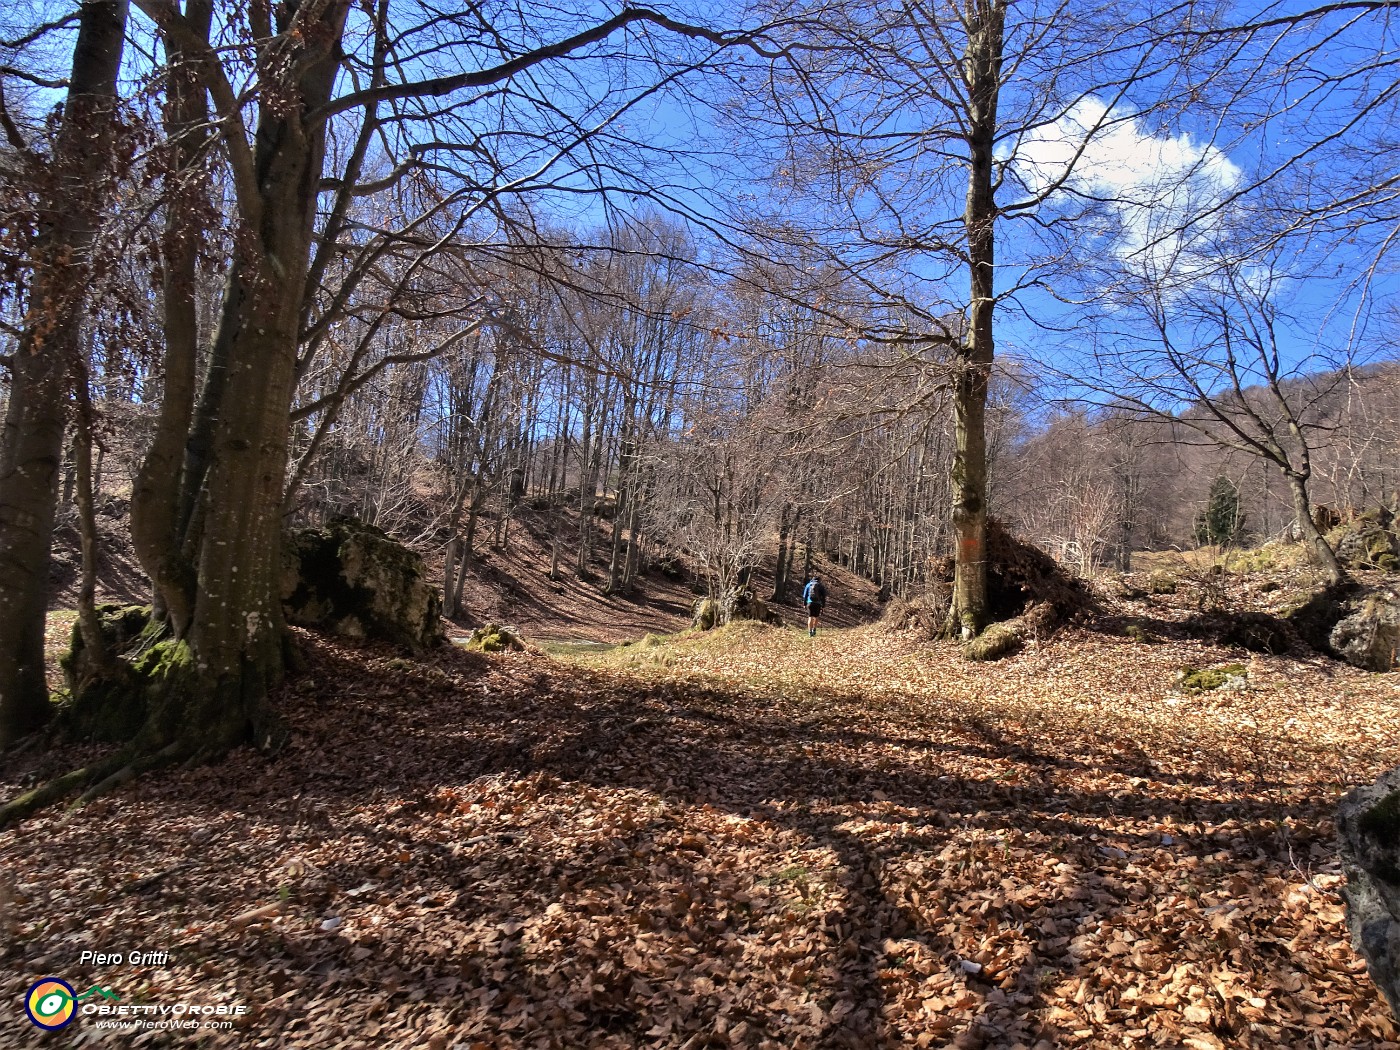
<point x="752" y="840"/>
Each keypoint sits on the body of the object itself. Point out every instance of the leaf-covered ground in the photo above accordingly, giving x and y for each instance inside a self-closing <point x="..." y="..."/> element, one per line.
<point x="748" y="838"/>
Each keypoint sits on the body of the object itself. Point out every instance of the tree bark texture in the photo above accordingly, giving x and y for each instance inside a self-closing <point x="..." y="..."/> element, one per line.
<point x="1311" y="535"/>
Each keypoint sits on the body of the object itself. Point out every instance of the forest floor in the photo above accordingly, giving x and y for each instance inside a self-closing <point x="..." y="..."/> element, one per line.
<point x="741" y="838"/>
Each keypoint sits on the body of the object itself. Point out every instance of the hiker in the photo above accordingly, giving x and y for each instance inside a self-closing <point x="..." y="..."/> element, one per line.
<point x="814" y="596"/>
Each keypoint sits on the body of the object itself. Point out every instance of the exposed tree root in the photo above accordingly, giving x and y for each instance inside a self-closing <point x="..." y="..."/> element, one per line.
<point x="167" y="755"/>
<point x="60" y="787"/>
<point x="111" y="773"/>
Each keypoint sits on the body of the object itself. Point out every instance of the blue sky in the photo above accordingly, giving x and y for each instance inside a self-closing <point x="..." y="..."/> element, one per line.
<point x="1150" y="171"/>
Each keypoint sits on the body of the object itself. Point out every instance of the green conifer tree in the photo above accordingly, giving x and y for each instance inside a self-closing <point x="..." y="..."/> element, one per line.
<point x="1221" y="521"/>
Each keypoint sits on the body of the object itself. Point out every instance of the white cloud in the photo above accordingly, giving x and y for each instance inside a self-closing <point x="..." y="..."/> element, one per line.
<point x="1155" y="194"/>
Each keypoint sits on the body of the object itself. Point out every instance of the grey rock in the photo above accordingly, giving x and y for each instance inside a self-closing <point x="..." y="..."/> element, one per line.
<point x="1370" y="636"/>
<point x="742" y="604"/>
<point x="1368" y="829"/>
<point x="352" y="580"/>
<point x="706" y="613"/>
<point x="737" y="603"/>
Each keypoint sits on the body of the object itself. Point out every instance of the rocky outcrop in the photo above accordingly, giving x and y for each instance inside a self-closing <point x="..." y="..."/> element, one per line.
<point x="1368" y="827"/>
<point x="1370" y="636"/>
<point x="1367" y="540"/>
<point x="352" y="580"/>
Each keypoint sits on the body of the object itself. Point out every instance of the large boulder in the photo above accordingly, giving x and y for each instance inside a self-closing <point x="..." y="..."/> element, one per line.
<point x="352" y="580"/>
<point x="705" y="614"/>
<point x="495" y="638"/>
<point x="1368" y="827"/>
<point x="1370" y="636"/>
<point x="108" y="699"/>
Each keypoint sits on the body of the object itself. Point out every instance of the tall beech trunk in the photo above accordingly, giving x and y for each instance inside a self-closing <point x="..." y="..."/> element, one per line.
<point x="94" y="644"/>
<point x="623" y="513"/>
<point x="982" y="74"/>
<point x="1298" y="471"/>
<point x="780" y="571"/>
<point x="230" y="650"/>
<point x="155" y="496"/>
<point x="32" y="451"/>
<point x="587" y="487"/>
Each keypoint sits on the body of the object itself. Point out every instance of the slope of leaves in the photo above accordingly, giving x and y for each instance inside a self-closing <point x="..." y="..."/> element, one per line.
<point x="746" y="838"/>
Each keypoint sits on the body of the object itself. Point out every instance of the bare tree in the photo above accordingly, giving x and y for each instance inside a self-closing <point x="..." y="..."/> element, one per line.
<point x="1222" y="366"/>
<point x="1065" y="495"/>
<point x="925" y="127"/>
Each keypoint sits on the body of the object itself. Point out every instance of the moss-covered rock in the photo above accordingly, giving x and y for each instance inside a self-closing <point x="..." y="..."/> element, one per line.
<point x="737" y="603"/>
<point x="1274" y="556"/>
<point x="495" y="638"/>
<point x="352" y="580"/>
<point x="142" y="696"/>
<point x="1368" y="830"/>
<point x="1193" y="682"/>
<point x="107" y="701"/>
<point x="998" y="640"/>
<point x="121" y="625"/>
<point x="1161" y="582"/>
<point x="1367" y="540"/>
<point x="1141" y="635"/>
<point x="706" y="614"/>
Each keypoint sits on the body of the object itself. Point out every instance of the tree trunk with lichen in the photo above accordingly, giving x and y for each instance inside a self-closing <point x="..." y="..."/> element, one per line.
<point x="75" y="184"/>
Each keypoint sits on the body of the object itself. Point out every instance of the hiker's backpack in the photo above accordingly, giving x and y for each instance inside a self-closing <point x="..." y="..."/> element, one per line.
<point x="815" y="592"/>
